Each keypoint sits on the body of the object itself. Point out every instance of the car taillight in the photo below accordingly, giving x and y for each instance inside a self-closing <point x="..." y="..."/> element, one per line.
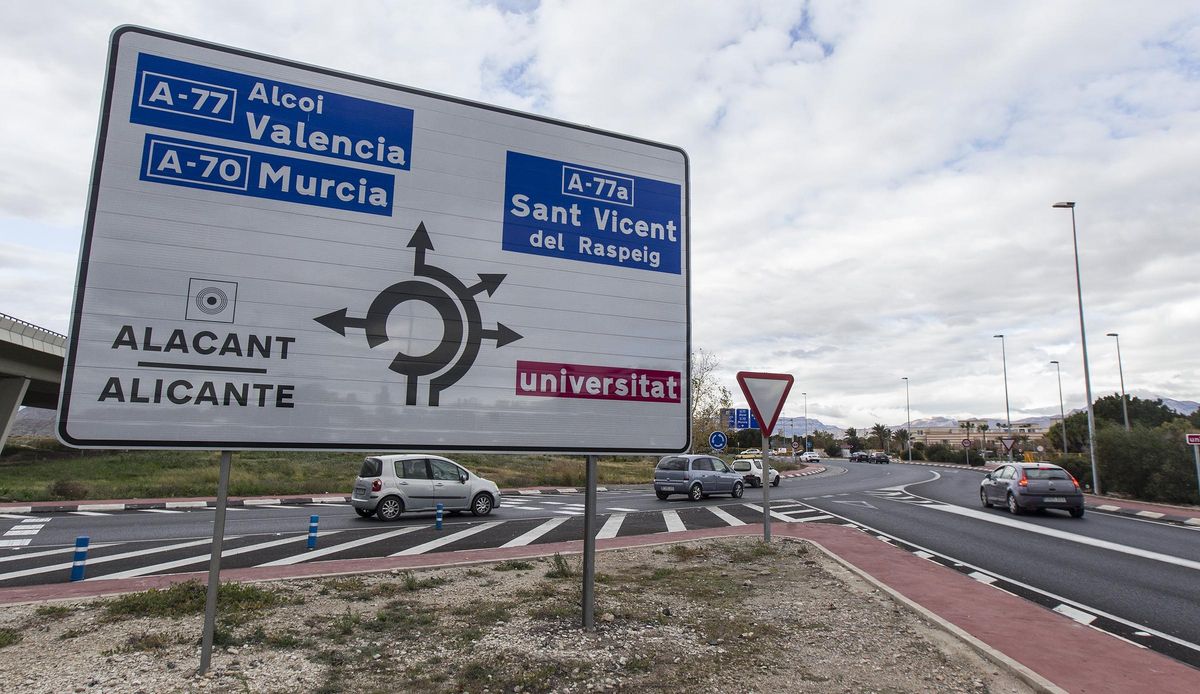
<point x="1074" y="481"/>
<point x="376" y="485"/>
<point x="1024" y="482"/>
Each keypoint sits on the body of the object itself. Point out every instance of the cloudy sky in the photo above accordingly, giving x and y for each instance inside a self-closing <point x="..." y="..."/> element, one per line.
<point x="871" y="182"/>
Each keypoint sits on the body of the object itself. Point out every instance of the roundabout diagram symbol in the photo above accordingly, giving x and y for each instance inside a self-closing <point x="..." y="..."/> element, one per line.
<point x="455" y="303"/>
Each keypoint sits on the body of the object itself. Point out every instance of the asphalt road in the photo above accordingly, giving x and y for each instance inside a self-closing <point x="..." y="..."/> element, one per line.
<point x="1137" y="579"/>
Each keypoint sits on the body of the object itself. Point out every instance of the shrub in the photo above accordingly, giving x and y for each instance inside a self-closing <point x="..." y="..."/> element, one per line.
<point x="68" y="489"/>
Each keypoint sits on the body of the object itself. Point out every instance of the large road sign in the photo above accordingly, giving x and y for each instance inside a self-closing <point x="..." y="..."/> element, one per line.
<point x="765" y="393"/>
<point x="283" y="256"/>
<point x="1193" y="439"/>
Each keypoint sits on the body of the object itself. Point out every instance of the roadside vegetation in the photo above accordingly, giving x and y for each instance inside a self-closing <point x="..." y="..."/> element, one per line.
<point x="41" y="469"/>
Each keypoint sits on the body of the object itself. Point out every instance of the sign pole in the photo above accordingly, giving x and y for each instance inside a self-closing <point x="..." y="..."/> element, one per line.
<point x="766" y="486"/>
<point x="589" y="547"/>
<point x="1194" y="440"/>
<point x="214" y="563"/>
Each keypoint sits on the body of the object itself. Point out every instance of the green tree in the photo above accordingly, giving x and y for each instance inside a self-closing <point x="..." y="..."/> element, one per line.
<point x="709" y="397"/>
<point x="1153" y="464"/>
<point x="902" y="437"/>
<point x="853" y="442"/>
<point x="983" y="430"/>
<point x="883" y="435"/>
<point x="1150" y="413"/>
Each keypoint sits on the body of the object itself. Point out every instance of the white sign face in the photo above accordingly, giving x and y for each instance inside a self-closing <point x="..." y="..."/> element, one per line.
<point x="281" y="256"/>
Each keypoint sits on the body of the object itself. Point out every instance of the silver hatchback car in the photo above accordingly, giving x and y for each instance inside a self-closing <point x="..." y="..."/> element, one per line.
<point x="697" y="476"/>
<point x="389" y="485"/>
<point x="1031" y="487"/>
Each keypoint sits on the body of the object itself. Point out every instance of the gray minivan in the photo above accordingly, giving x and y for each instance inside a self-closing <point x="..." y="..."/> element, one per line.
<point x="389" y="485"/>
<point x="697" y="476"/>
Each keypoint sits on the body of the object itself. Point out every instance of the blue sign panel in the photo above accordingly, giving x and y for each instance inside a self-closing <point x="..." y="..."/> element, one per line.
<point x="186" y="97"/>
<point x="717" y="440"/>
<point x="562" y="210"/>
<point x="742" y="418"/>
<point x="243" y="172"/>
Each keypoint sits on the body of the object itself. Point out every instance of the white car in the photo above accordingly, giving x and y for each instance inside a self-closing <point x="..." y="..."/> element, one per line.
<point x="810" y="457"/>
<point x="751" y="471"/>
<point x="389" y="485"/>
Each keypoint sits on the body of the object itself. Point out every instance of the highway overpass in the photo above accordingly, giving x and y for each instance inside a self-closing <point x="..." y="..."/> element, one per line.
<point x="31" y="363"/>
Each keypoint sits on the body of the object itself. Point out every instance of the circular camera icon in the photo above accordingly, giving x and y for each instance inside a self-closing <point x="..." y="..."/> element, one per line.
<point x="211" y="300"/>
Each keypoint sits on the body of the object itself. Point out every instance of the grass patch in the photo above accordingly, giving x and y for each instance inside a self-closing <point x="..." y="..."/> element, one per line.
<point x="144" y="641"/>
<point x="411" y="582"/>
<point x="560" y="567"/>
<point x="9" y="637"/>
<point x="745" y="554"/>
<point x="52" y="611"/>
<point x="234" y="600"/>
<point x="513" y="565"/>
<point x="688" y="552"/>
<point x="75" y="633"/>
<point x="400" y="615"/>
<point x="485" y="612"/>
<point x="357" y="588"/>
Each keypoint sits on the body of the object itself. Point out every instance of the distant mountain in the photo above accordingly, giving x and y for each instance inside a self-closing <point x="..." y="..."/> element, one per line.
<point x="1183" y="407"/>
<point x="795" y="426"/>
<point x="34" y="421"/>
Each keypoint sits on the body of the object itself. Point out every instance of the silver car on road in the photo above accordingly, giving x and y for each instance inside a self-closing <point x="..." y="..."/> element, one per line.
<point x="389" y="485"/>
<point x="697" y="476"/>
<point x="1025" y="487"/>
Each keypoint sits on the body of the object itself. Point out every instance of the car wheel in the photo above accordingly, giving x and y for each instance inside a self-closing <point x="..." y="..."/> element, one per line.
<point x="696" y="493"/>
<point x="775" y="482"/>
<point x="364" y="512"/>
<point x="662" y="495"/>
<point x="481" y="505"/>
<point x="738" y="488"/>
<point x="1013" y="508"/>
<point x="389" y="508"/>
<point x="1077" y="512"/>
<point x="983" y="499"/>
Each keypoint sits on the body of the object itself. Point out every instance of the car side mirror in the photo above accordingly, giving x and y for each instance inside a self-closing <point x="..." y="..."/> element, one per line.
<point x="462" y="477"/>
<point x="987" y="476"/>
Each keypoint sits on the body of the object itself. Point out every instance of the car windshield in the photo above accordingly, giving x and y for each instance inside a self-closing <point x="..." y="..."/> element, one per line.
<point x="672" y="464"/>
<point x="371" y="467"/>
<point x="1046" y="474"/>
<point x="741" y="465"/>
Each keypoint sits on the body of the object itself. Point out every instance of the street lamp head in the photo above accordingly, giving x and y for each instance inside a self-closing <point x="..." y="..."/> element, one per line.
<point x="904" y="378"/>
<point x="1064" y="204"/>
<point x="1000" y="336"/>
<point x="1111" y="334"/>
<point x="1053" y="361"/>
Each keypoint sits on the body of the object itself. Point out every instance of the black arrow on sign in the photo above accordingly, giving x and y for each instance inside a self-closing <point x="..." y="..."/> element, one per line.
<point x="502" y="335"/>
<point x="338" y="321"/>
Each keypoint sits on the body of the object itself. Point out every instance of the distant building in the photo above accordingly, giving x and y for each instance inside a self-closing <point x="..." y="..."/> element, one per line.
<point x="1031" y="432"/>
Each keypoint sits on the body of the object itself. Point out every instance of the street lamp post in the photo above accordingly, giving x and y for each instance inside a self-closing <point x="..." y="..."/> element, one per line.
<point x="1061" y="412"/>
<point x="1121" y="370"/>
<point x="805" y="422"/>
<point x="908" y="411"/>
<point x="1087" y="374"/>
<point x="1007" y="411"/>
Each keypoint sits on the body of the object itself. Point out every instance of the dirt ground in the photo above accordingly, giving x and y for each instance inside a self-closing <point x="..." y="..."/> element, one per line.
<point x="709" y="616"/>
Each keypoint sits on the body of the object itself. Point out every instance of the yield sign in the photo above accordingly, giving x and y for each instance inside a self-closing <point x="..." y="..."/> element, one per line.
<point x="766" y="393"/>
<point x="1008" y="443"/>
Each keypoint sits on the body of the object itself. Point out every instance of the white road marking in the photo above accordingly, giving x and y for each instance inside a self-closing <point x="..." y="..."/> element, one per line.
<point x="813" y="518"/>
<point x="315" y="553"/>
<point x="34" y="521"/>
<point x="1193" y="521"/>
<point x="88" y="513"/>
<point x="339" y="500"/>
<point x="554" y="503"/>
<point x="272" y="507"/>
<point x="260" y="502"/>
<point x="100" y="507"/>
<point x="1108" y="507"/>
<point x="187" y="504"/>
<point x="979" y="576"/>
<point x="443" y="541"/>
<point x="567" y="490"/>
<point x="774" y="514"/>
<point x="1072" y="537"/>
<point x="100" y="560"/>
<point x="12" y="543"/>
<point x="321" y="503"/>
<point x="13" y="516"/>
<point x="31" y="530"/>
<point x="1077" y="615"/>
<point x="865" y="504"/>
<point x="531" y="535"/>
<point x="46" y="553"/>
<point x="569" y="513"/>
<point x="623" y="510"/>
<point x="166" y="566"/>
<point x="923" y="555"/>
<point x="158" y="510"/>
<point x="674" y="523"/>
<point x="611" y="526"/>
<point x="725" y="515"/>
<point x="525" y="508"/>
<point x="1150" y="514"/>
<point x="1173" y="639"/>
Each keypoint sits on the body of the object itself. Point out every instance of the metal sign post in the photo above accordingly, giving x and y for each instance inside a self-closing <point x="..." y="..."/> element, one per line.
<point x="214" y="563"/>
<point x="766" y="393"/>
<point x="966" y="444"/>
<point x="1194" y="441"/>
<point x="589" y="546"/>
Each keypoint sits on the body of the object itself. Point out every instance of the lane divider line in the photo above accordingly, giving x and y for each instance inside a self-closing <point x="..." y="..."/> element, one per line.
<point x="443" y="541"/>
<point x="333" y="549"/>
<point x="725" y="515"/>
<point x="168" y="565"/>
<point x="674" y="522"/>
<point x="531" y="535"/>
<point x="611" y="526"/>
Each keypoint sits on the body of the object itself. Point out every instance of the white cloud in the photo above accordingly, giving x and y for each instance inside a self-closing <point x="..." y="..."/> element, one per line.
<point x="871" y="181"/>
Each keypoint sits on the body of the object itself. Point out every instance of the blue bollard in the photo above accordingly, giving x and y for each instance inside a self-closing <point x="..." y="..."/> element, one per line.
<point x="77" y="564"/>
<point x="437" y="518"/>
<point x="312" y="531"/>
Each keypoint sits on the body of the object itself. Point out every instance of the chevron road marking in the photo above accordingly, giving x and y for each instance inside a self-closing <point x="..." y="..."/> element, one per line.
<point x="535" y="533"/>
<point x="332" y="549"/>
<point x="443" y="541"/>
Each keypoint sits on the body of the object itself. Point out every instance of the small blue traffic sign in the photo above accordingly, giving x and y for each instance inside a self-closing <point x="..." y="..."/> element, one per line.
<point x="717" y="440"/>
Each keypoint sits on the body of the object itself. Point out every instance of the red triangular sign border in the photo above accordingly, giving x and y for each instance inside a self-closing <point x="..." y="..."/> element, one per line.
<point x="766" y="424"/>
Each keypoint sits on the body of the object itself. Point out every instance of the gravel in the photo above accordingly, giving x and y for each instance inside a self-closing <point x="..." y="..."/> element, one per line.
<point x="707" y="616"/>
